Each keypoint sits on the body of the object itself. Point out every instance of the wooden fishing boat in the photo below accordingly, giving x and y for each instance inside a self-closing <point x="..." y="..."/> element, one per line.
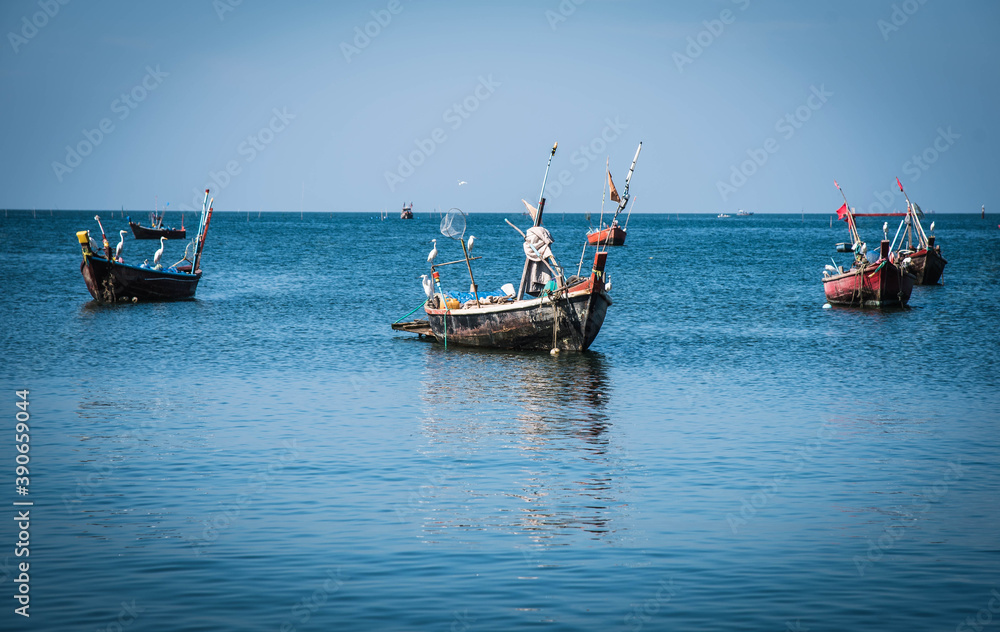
<point x="927" y="264"/>
<point x="881" y="283"/>
<point x="547" y="312"/>
<point x="568" y="318"/>
<point x="870" y="282"/>
<point x="111" y="280"/>
<point x="613" y="235"/>
<point x="156" y="229"/>
<point x="146" y="232"/>
<point x="924" y="255"/>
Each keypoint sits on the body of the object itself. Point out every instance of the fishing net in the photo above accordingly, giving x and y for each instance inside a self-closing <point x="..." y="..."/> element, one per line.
<point x="453" y="224"/>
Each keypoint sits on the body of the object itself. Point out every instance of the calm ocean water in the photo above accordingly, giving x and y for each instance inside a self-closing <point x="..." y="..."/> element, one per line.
<point x="729" y="455"/>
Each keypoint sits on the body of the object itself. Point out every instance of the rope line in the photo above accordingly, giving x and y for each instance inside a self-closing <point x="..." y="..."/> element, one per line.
<point x="415" y="309"/>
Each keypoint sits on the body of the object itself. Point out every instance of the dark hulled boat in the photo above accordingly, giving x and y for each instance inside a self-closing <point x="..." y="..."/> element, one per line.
<point x="547" y="312"/>
<point x="926" y="261"/>
<point x="110" y="280"/>
<point x="927" y="264"/>
<point x="568" y="319"/>
<point x="407" y="212"/>
<point x="144" y="232"/>
<point x="156" y="229"/>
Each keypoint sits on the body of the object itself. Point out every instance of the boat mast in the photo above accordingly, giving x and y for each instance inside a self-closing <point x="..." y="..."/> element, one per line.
<point x="850" y="218"/>
<point x="538" y="222"/>
<point x="628" y="179"/>
<point x="911" y="212"/>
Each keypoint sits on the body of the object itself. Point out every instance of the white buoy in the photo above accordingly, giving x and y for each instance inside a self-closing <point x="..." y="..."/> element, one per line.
<point x="555" y="351"/>
<point x="827" y="306"/>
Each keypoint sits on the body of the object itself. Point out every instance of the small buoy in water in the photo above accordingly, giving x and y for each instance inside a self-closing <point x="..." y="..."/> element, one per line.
<point x="827" y="306"/>
<point x="135" y="299"/>
<point x="555" y="351"/>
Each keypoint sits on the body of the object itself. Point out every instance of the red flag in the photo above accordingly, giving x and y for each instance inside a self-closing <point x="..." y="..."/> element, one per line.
<point x="835" y="184"/>
<point x="842" y="212"/>
<point x="900" y="184"/>
<point x="614" y="191"/>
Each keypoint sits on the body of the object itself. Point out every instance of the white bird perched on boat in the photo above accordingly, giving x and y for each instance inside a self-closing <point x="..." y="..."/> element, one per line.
<point x="932" y="227"/>
<point x="428" y="285"/>
<point x="885" y="229"/>
<point x="830" y="268"/>
<point x="121" y="245"/>
<point x="434" y="251"/>
<point x="158" y="253"/>
<point x="472" y="240"/>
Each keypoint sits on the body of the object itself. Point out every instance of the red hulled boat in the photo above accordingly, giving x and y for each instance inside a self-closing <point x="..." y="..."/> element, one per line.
<point x="884" y="281"/>
<point x="879" y="283"/>
<point x="613" y="235"/>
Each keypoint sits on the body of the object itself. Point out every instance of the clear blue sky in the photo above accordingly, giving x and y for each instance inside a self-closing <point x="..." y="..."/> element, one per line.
<point x="867" y="91"/>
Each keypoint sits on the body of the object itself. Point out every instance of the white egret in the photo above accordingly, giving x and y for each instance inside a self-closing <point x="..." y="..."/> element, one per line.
<point x="434" y="251"/>
<point x="830" y="268"/>
<point x="428" y="285"/>
<point x="932" y="227"/>
<point x="158" y="253"/>
<point x="472" y="240"/>
<point x="121" y="245"/>
<point x="885" y="230"/>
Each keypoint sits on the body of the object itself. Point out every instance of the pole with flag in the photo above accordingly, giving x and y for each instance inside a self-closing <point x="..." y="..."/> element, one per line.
<point x="623" y="198"/>
<point x="845" y="212"/>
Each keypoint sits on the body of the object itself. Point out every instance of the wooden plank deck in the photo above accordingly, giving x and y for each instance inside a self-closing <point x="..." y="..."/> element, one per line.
<point x="419" y="327"/>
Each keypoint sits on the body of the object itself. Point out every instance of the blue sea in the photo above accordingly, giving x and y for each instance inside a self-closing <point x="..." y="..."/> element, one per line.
<point x="729" y="455"/>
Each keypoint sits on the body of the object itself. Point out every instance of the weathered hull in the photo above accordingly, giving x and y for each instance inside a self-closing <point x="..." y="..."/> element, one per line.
<point x="927" y="265"/>
<point x="613" y="236"/>
<point x="869" y="287"/>
<point x="110" y="282"/>
<point x="570" y="322"/>
<point x="143" y="232"/>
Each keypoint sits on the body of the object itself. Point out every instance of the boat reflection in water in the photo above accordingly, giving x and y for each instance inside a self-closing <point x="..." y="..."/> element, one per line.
<point x="536" y="458"/>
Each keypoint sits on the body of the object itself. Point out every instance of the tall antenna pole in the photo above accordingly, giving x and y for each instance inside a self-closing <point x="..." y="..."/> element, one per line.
<point x="544" y="178"/>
